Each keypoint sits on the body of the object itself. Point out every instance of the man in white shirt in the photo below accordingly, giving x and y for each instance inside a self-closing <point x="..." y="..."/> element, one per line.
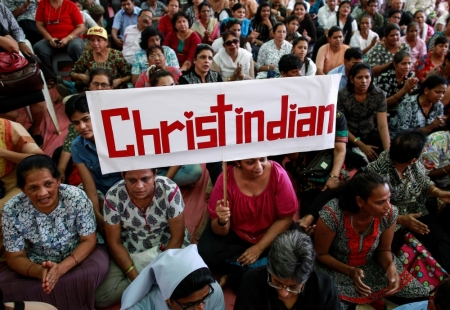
<point x="326" y="11"/>
<point x="132" y="35"/>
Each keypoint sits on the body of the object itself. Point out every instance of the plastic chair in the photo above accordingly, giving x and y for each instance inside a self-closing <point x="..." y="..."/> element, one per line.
<point x="61" y="58"/>
<point x="50" y="108"/>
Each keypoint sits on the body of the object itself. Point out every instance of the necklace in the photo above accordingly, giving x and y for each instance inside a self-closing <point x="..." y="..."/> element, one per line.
<point x="361" y="237"/>
<point x="54" y="22"/>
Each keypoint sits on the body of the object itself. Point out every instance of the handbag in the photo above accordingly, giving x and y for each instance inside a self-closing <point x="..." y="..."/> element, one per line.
<point x="320" y="166"/>
<point x="10" y="62"/>
<point x="18" y="78"/>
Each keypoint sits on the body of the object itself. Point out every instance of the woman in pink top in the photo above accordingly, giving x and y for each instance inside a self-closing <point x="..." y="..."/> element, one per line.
<point x="417" y="45"/>
<point x="60" y="23"/>
<point x="331" y="55"/>
<point x="261" y="204"/>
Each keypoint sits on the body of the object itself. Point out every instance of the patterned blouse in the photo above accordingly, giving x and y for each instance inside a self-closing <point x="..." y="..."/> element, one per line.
<point x="423" y="66"/>
<point x="410" y="115"/>
<point x="380" y="55"/>
<point x="118" y="65"/>
<point x="439" y="72"/>
<point x="140" y="231"/>
<point x="48" y="236"/>
<point x="435" y="155"/>
<point x="262" y="29"/>
<point x="360" y="116"/>
<point x="193" y="78"/>
<point x="140" y="63"/>
<point x="387" y="82"/>
<point x="410" y="193"/>
<point x="269" y="53"/>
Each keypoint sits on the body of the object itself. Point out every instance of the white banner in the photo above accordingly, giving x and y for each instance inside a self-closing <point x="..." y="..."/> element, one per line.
<point x="166" y="126"/>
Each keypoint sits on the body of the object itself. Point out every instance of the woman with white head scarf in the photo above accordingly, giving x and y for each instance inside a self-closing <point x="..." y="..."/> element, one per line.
<point x="177" y="279"/>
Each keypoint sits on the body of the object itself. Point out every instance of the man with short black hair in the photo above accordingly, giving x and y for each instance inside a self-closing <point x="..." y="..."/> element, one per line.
<point x="372" y="11"/>
<point x="290" y="65"/>
<point x="127" y="16"/>
<point x="406" y="17"/>
<point x="352" y="56"/>
<point x="132" y="35"/>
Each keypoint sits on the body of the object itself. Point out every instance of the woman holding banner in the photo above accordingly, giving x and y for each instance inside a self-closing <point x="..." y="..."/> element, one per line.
<point x="260" y="205"/>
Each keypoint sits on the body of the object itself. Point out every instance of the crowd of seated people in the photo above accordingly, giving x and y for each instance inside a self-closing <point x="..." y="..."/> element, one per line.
<point x="79" y="239"/>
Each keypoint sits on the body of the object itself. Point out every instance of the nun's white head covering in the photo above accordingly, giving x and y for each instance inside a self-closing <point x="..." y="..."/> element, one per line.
<point x="167" y="270"/>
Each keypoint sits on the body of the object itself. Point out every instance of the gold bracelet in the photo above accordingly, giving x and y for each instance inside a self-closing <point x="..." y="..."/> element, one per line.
<point x="443" y="169"/>
<point x="74" y="258"/>
<point x="129" y="269"/>
<point x="354" y="141"/>
<point x="435" y="189"/>
<point x="71" y="38"/>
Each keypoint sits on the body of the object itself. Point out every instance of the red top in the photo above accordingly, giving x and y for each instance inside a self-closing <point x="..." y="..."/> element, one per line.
<point x="165" y="25"/>
<point x="143" y="80"/>
<point x="251" y="216"/>
<point x="188" y="51"/>
<point x="60" y="22"/>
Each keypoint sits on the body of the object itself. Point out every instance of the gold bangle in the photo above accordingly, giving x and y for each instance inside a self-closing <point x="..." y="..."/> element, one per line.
<point x="435" y="189"/>
<point x="443" y="169"/>
<point x="129" y="269"/>
<point x="354" y="141"/>
<point x="74" y="258"/>
<point x="71" y="38"/>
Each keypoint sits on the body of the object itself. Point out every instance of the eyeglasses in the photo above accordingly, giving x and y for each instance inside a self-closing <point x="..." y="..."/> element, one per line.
<point x="147" y="17"/>
<point x="195" y="304"/>
<point x="229" y="42"/>
<point x="155" y="56"/>
<point x="103" y="85"/>
<point x="287" y="288"/>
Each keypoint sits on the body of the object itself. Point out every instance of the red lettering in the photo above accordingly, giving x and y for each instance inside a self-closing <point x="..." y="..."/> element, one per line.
<point x="212" y="132"/>
<point x="165" y="132"/>
<point x="329" y="108"/>
<point x="259" y="115"/>
<point x="190" y="135"/>
<point x="220" y="109"/>
<point x="309" y="121"/>
<point x="109" y="134"/>
<point x="140" y="133"/>
<point x="282" y="123"/>
<point x="239" y="129"/>
<point x="291" y="128"/>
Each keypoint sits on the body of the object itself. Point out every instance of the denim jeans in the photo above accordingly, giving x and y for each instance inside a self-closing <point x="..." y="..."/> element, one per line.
<point x="186" y="175"/>
<point x="45" y="52"/>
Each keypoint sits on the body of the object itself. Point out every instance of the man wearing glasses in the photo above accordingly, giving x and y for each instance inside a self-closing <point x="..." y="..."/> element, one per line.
<point x="177" y="279"/>
<point x="288" y="281"/>
<point x="132" y="35"/>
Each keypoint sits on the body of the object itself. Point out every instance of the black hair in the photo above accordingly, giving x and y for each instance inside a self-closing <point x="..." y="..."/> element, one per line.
<point x="441" y="40"/>
<point x="442" y="295"/>
<point x="420" y="11"/>
<point x="407" y="145"/>
<point x="230" y="23"/>
<point x="202" y="47"/>
<point x="275" y="27"/>
<point x="412" y="24"/>
<point x="289" y="62"/>
<point x="432" y="82"/>
<point x="101" y="71"/>
<point x="233" y="21"/>
<point x="298" y="39"/>
<point x="126" y="1"/>
<point x="151" y="48"/>
<point x="389" y="28"/>
<point x="176" y="16"/>
<point x="333" y="30"/>
<point x="76" y="103"/>
<point x="307" y="16"/>
<point x="257" y="18"/>
<point x="361" y="185"/>
<point x="392" y="12"/>
<point x="342" y="3"/>
<point x="354" y="71"/>
<point x="201" y="5"/>
<point x="291" y="18"/>
<point x="147" y="33"/>
<point x="144" y="10"/>
<point x="192" y="283"/>
<point x="237" y="6"/>
<point x="398" y="57"/>
<point x="152" y="169"/>
<point x="372" y="1"/>
<point x="229" y="33"/>
<point x="353" y="52"/>
<point x="35" y="162"/>
<point x="447" y="21"/>
<point x="366" y="16"/>
<point x="154" y="79"/>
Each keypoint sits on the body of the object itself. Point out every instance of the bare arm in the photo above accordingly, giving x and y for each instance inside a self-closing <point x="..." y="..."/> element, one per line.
<point x="383" y="129"/>
<point x="278" y="227"/>
<point x="27" y="150"/>
<point x="176" y="227"/>
<point x="91" y="191"/>
<point x="41" y="27"/>
<point x="117" y="250"/>
<point x="378" y="69"/>
<point x="172" y="172"/>
<point x="9" y="44"/>
<point x="134" y="78"/>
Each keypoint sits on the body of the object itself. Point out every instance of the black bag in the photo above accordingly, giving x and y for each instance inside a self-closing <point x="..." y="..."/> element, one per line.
<point x="320" y="166"/>
<point x="25" y="79"/>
